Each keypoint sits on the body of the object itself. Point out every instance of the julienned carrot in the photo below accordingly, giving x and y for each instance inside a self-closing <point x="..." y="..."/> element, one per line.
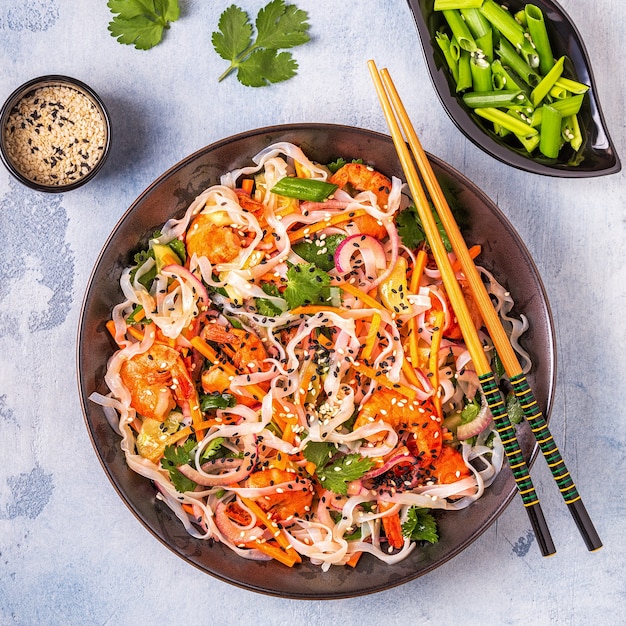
<point x="354" y="559"/>
<point x="247" y="185"/>
<point x="372" y="333"/>
<point x="277" y="533"/>
<point x="207" y="352"/>
<point x="433" y="360"/>
<point x="474" y="251"/>
<point x="275" y="552"/>
<point x="362" y="296"/>
<point x="414" y="282"/>
<point x="325" y="223"/>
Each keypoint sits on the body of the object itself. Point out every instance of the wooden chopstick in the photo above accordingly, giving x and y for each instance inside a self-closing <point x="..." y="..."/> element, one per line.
<point x="470" y="335"/>
<point x="520" y="385"/>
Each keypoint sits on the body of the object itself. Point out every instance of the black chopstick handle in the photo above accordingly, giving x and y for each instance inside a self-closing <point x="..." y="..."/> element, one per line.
<point x="551" y="452"/>
<point x="541" y="530"/>
<point x="518" y="465"/>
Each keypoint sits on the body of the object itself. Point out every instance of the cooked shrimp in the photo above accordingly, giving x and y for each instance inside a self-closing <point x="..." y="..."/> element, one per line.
<point x="284" y="504"/>
<point x="157" y="379"/>
<point x="364" y="178"/>
<point x="248" y="355"/>
<point x="449" y="466"/>
<point x="405" y="416"/>
<point x="217" y="242"/>
<point x="249" y="351"/>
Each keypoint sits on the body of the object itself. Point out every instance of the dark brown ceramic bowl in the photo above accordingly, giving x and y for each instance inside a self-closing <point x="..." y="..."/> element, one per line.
<point x="596" y="157"/>
<point x="168" y="196"/>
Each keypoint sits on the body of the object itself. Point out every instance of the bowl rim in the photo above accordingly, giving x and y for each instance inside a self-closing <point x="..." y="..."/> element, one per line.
<point x="84" y="400"/>
<point x="479" y="137"/>
<point x="44" y="81"/>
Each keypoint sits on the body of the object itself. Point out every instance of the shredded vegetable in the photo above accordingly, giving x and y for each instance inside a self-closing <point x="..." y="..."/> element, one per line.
<point x="294" y="410"/>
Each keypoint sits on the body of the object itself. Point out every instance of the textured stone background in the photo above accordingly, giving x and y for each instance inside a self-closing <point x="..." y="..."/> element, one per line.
<point x="70" y="551"/>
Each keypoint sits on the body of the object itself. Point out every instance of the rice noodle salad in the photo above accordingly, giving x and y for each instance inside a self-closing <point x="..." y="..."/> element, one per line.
<point x="289" y="372"/>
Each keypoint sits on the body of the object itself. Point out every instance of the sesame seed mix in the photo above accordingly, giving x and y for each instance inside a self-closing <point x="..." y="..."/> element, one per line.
<point x="55" y="135"/>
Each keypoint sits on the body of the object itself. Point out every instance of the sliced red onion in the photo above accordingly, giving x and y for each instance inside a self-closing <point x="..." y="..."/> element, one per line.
<point x="370" y="248"/>
<point x="477" y="425"/>
<point x="173" y="270"/>
<point x="393" y="461"/>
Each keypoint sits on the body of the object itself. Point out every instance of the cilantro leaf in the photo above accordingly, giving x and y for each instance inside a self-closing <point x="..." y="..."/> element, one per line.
<point x="319" y="452"/>
<point x="514" y="409"/>
<point x="420" y="525"/>
<point x="258" y="61"/>
<point x="281" y="26"/>
<point x="173" y="457"/>
<point x="266" y="66"/>
<point x="217" y="400"/>
<point x="335" y="166"/>
<point x="234" y="35"/>
<point x="306" y="284"/>
<point x="338" y="473"/>
<point x="411" y="230"/>
<point x="268" y="307"/>
<point x="141" y="22"/>
<point x="320" y="252"/>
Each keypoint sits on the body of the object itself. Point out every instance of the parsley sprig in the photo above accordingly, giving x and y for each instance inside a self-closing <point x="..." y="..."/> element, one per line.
<point x="420" y="525"/>
<point x="257" y="60"/>
<point x="141" y="22"/>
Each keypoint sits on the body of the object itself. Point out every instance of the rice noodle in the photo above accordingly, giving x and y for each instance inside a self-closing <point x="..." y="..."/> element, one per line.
<point x="287" y="415"/>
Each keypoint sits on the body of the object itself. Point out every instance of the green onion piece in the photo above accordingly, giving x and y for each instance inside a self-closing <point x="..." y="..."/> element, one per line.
<point x="537" y="28"/>
<point x="444" y="5"/>
<point x="566" y="107"/>
<point x="558" y="93"/>
<point x="507" y="121"/>
<point x="450" y="55"/>
<point x="504" y="22"/>
<point x="485" y="44"/>
<point x="529" y="143"/>
<point x="481" y="73"/>
<point x="550" y="133"/>
<point x="459" y="29"/>
<point x="308" y="189"/>
<point x="547" y="82"/>
<point x="499" y="98"/>
<point x="465" y="72"/>
<point x="517" y="64"/>
<point x="575" y="137"/>
<point x="477" y="23"/>
<point x="571" y="85"/>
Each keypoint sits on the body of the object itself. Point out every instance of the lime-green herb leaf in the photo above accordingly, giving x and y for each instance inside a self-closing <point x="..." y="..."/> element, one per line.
<point x="173" y="457"/>
<point x="281" y="26"/>
<point x="321" y="252"/>
<point x="266" y="66"/>
<point x="234" y="35"/>
<point x="306" y="284"/>
<point x="420" y="525"/>
<point x="141" y="22"/>
<point x="336" y="475"/>
<point x="257" y="59"/>
<point x="319" y="452"/>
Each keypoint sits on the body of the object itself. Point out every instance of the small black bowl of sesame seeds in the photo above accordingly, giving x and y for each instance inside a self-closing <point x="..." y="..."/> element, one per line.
<point x="54" y="133"/>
